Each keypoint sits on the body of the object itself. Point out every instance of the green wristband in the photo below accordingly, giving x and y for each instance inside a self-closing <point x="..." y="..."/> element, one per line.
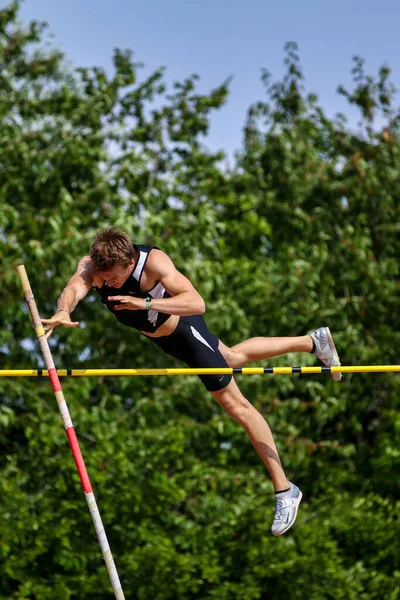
<point x="148" y="302"/>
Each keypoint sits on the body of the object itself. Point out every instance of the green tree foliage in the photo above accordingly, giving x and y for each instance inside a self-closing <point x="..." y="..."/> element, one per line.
<point x="303" y="231"/>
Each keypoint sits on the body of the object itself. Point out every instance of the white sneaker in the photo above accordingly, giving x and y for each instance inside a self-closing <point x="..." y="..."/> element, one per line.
<point x="287" y="505"/>
<point x="325" y="349"/>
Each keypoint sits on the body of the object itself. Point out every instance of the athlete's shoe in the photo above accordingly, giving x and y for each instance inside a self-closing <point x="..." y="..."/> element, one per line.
<point x="287" y="505"/>
<point x="325" y="349"/>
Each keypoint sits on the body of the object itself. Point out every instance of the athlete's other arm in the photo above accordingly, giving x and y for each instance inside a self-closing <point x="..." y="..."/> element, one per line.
<point x="185" y="299"/>
<point x="75" y="290"/>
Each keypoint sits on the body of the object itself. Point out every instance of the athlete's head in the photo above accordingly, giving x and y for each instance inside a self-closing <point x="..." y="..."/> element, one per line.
<point x="111" y="248"/>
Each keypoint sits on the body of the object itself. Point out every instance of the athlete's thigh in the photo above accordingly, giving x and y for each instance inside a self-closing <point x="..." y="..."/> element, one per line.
<point x="232" y="400"/>
<point x="229" y="355"/>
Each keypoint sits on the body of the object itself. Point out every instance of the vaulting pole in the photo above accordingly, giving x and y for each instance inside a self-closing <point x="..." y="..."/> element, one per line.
<point x="73" y="441"/>
<point x="204" y="371"/>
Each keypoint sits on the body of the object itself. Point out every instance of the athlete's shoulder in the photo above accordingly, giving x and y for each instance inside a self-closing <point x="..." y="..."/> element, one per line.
<point x="145" y="247"/>
<point x="87" y="271"/>
<point x="85" y="266"/>
<point x="85" y="262"/>
<point x="158" y="262"/>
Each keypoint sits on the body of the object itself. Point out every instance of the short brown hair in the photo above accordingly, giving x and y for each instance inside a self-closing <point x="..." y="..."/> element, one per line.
<point x="111" y="247"/>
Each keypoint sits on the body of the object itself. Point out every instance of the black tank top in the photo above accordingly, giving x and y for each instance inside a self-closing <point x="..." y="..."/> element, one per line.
<point x="143" y="320"/>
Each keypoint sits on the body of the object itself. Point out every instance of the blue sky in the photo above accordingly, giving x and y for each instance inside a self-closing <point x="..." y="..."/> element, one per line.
<point x="223" y="38"/>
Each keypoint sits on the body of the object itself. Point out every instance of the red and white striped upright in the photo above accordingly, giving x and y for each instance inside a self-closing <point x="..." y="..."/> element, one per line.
<point x="76" y="451"/>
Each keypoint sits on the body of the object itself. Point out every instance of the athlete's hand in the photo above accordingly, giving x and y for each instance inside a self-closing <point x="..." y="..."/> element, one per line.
<point x="127" y="302"/>
<point x="60" y="318"/>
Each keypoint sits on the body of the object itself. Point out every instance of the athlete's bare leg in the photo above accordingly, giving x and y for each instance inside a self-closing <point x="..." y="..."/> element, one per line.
<point x="256" y="427"/>
<point x="260" y="348"/>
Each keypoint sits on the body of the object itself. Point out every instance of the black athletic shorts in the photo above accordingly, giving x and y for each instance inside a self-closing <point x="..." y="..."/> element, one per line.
<point x="192" y="343"/>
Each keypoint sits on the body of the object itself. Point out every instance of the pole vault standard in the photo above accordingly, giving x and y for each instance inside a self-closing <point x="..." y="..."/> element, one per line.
<point x="202" y="371"/>
<point x="76" y="451"/>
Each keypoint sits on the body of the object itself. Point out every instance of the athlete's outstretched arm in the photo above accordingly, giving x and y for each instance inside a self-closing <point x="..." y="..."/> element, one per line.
<point x="75" y="290"/>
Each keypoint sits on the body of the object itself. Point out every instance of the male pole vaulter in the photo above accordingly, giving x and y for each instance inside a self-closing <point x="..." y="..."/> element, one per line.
<point x="142" y="288"/>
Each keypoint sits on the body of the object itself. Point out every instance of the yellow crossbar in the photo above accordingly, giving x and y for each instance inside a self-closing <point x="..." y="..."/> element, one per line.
<point x="188" y="371"/>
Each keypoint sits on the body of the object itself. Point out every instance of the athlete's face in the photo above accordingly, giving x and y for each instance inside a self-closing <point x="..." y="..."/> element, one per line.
<point x="117" y="275"/>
